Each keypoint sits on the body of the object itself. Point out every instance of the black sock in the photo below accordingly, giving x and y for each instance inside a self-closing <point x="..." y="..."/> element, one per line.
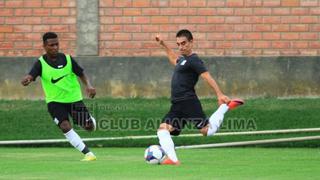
<point x="85" y="150"/>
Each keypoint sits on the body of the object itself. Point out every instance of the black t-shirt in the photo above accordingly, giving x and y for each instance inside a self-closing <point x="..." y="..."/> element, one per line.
<point x="59" y="63"/>
<point x="185" y="77"/>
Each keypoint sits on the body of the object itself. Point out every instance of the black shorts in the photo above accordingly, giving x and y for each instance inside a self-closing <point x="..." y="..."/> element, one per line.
<point x="183" y="112"/>
<point x="61" y="111"/>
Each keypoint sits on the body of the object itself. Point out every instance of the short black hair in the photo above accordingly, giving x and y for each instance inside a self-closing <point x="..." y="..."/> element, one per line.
<point x="185" y="33"/>
<point x="49" y="35"/>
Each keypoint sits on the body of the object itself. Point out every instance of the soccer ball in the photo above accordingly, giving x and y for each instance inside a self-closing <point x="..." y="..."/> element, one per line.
<point x="154" y="154"/>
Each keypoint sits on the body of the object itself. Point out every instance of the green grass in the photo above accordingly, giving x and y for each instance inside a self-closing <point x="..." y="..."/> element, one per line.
<point x="128" y="163"/>
<point x="30" y="120"/>
<point x="24" y="119"/>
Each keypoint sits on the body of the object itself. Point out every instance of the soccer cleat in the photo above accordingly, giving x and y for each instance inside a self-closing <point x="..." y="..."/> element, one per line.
<point x="168" y="161"/>
<point x="89" y="157"/>
<point x="235" y="103"/>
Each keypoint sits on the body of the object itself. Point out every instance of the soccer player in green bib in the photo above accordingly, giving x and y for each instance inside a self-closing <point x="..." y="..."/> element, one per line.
<point x="59" y="78"/>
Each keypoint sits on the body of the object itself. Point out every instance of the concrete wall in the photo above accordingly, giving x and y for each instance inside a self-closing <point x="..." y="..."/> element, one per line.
<point x="151" y="76"/>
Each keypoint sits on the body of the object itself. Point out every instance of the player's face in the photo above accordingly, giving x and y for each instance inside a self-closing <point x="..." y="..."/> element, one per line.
<point x="52" y="47"/>
<point x="184" y="45"/>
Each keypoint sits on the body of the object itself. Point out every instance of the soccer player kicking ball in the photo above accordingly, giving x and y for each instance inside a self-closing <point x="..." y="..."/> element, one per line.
<point x="62" y="91"/>
<point x="185" y="105"/>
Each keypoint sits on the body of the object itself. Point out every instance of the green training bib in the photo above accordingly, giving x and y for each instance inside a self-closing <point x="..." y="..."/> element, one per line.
<point x="60" y="85"/>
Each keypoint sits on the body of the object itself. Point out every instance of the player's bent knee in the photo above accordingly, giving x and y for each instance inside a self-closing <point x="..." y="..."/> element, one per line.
<point x="65" y="126"/>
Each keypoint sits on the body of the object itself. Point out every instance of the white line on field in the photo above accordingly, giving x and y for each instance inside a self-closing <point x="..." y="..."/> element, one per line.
<point x="46" y="141"/>
<point x="243" y="143"/>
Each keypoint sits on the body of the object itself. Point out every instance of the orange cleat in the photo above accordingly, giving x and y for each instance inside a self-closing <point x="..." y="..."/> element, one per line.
<point x="168" y="161"/>
<point x="235" y="103"/>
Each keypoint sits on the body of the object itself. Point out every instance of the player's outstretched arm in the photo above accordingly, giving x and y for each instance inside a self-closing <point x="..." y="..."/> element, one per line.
<point x="91" y="91"/>
<point x="222" y="99"/>
<point x="170" y="53"/>
<point x="26" y="80"/>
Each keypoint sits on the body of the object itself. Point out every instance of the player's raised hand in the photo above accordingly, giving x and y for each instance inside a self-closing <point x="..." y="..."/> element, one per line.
<point x="91" y="91"/>
<point x="159" y="39"/>
<point x="26" y="80"/>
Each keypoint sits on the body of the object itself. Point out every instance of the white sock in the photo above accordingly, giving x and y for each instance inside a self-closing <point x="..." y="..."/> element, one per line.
<point x="167" y="144"/>
<point x="75" y="140"/>
<point x="216" y="119"/>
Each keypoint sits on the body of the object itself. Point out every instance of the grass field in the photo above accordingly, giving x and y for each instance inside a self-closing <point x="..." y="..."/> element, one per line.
<point x="30" y="120"/>
<point x="128" y="163"/>
<point x="23" y="119"/>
